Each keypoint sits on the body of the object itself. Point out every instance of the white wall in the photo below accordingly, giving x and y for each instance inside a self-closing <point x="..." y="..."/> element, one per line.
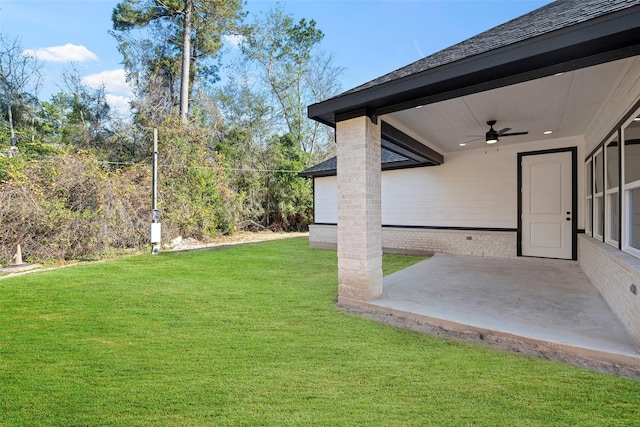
<point x="471" y="189"/>
<point x="325" y="200"/>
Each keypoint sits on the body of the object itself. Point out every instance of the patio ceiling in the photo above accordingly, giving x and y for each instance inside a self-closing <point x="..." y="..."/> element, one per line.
<point x="565" y="104"/>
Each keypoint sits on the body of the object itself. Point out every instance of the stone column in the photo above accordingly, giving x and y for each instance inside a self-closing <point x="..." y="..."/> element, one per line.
<point x="359" y="211"/>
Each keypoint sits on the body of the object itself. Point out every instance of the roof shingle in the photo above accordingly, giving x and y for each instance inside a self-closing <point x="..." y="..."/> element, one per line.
<point x="552" y="17"/>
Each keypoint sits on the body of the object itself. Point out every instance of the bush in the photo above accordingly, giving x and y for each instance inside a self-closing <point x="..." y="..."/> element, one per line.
<point x="68" y="206"/>
<point x="195" y="197"/>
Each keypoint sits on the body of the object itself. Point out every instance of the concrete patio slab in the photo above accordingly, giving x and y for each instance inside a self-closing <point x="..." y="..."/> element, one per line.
<point x="542" y="303"/>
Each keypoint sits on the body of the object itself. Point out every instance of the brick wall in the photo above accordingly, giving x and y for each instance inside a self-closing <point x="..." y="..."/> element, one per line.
<point x="359" y="218"/>
<point x="415" y="241"/>
<point x="612" y="272"/>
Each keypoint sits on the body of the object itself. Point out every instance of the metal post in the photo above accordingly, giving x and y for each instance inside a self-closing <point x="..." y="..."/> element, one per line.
<point x="13" y="134"/>
<point x="154" y="196"/>
<point x="155" y="214"/>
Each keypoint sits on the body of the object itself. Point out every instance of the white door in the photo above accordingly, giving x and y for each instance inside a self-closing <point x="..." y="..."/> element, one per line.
<point x="547" y="215"/>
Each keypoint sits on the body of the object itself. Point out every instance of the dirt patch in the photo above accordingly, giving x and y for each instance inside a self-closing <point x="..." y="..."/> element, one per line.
<point x="175" y="245"/>
<point x="180" y="244"/>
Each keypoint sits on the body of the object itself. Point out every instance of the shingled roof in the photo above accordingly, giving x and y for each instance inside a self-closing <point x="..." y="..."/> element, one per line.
<point x="563" y="35"/>
<point x="554" y="16"/>
<point x="389" y="160"/>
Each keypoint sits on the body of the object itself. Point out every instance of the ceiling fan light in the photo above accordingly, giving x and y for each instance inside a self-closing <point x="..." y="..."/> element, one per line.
<point x="491" y="136"/>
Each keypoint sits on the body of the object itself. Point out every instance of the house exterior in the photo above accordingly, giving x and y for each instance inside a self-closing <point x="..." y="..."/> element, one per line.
<point x="418" y="168"/>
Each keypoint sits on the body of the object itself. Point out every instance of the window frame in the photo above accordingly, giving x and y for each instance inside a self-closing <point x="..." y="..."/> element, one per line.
<point x="598" y="216"/>
<point x="588" y="226"/>
<point x="608" y="192"/>
<point x="627" y="216"/>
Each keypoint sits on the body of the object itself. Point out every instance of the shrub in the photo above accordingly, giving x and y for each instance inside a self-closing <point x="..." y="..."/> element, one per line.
<point x="67" y="206"/>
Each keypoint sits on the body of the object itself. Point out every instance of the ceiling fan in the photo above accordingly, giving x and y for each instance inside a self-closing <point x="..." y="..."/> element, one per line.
<point x="492" y="136"/>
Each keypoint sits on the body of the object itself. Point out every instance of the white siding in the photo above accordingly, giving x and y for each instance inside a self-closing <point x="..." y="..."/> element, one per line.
<point x="325" y="200"/>
<point x="471" y="189"/>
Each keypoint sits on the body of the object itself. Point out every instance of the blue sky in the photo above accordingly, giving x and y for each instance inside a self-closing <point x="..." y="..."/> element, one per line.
<point x="368" y="37"/>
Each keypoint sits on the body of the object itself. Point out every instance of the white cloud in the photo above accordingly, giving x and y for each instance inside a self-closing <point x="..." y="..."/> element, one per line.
<point x="67" y="53"/>
<point x="233" y="39"/>
<point x="118" y="103"/>
<point x="117" y="91"/>
<point x="113" y="80"/>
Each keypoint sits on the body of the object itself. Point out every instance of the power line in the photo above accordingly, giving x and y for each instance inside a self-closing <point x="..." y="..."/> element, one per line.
<point x="204" y="167"/>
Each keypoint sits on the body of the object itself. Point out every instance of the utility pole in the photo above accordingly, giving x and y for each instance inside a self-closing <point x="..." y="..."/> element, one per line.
<point x="155" y="214"/>
<point x="13" y="134"/>
<point x="186" y="62"/>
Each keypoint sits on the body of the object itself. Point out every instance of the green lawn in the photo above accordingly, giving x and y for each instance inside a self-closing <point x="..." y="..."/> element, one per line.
<point x="251" y="336"/>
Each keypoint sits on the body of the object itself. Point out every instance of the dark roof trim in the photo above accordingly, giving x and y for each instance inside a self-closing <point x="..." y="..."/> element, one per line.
<point x="408" y="164"/>
<point x="399" y="151"/>
<point x="389" y="160"/>
<point x="395" y="140"/>
<point x="318" y="174"/>
<point x="605" y="38"/>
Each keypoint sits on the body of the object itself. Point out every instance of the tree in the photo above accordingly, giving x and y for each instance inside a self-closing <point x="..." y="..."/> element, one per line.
<point x="77" y="116"/>
<point x="88" y="112"/>
<point x="286" y="57"/>
<point x="19" y="72"/>
<point x="193" y="30"/>
<point x="267" y="137"/>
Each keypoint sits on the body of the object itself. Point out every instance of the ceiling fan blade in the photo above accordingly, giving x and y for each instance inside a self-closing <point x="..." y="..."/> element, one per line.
<point x="472" y="140"/>
<point x="514" y="133"/>
<point x="503" y="131"/>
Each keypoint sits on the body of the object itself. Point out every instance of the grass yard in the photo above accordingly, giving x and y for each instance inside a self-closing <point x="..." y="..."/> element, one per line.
<point x="251" y="336"/>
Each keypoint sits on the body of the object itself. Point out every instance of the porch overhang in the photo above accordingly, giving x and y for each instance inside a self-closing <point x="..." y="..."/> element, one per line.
<point x="395" y="140"/>
<point x="599" y="40"/>
<point x="400" y="151"/>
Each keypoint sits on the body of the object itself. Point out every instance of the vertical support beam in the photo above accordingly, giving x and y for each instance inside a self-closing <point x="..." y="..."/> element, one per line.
<point x="359" y="210"/>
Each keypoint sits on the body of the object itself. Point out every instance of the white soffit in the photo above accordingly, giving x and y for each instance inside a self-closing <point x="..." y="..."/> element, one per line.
<point x="565" y="104"/>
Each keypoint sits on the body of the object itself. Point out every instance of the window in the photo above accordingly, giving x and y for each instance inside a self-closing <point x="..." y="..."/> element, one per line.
<point x="631" y="135"/>
<point x="612" y="190"/>
<point x="634" y="218"/>
<point x="589" y="190"/>
<point x="598" y="194"/>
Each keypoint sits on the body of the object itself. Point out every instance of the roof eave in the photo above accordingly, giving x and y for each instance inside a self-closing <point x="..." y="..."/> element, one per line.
<point x="606" y="38"/>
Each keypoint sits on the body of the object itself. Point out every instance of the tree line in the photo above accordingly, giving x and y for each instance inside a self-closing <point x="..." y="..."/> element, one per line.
<point x="75" y="174"/>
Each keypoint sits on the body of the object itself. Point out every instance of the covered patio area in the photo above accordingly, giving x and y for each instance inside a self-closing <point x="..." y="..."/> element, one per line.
<point x="540" y="306"/>
<point x="555" y="179"/>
